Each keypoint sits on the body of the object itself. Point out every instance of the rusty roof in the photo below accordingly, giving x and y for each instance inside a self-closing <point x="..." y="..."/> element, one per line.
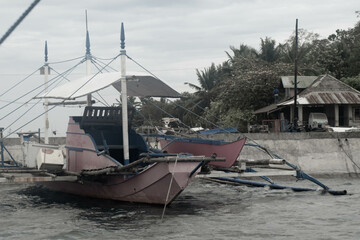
<point x="327" y="90"/>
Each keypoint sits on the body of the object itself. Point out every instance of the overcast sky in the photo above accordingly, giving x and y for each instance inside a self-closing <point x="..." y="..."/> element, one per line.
<point x="171" y="38"/>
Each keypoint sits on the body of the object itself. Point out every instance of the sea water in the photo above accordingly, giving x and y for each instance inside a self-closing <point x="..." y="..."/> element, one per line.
<point x="205" y="210"/>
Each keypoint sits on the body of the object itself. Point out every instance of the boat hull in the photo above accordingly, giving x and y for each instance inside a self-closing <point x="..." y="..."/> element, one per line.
<point x="150" y="186"/>
<point x="230" y="151"/>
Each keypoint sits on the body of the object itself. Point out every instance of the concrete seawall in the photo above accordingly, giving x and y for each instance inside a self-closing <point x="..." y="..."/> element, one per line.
<point x="314" y="152"/>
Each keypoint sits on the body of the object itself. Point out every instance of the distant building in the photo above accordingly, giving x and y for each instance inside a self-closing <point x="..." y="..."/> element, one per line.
<point x="324" y="94"/>
<point x="302" y="83"/>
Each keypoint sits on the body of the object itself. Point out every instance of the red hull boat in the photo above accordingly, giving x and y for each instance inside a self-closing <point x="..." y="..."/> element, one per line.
<point x="205" y="147"/>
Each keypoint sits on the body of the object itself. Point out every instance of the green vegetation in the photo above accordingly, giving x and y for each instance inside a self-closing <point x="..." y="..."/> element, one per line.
<point x="231" y="91"/>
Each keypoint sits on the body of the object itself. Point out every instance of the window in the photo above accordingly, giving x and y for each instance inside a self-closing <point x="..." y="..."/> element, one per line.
<point x="357" y="114"/>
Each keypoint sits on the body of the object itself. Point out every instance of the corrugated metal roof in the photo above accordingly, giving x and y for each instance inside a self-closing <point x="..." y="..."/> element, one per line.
<point x="327" y="90"/>
<point x="303" y="81"/>
<point x="268" y="109"/>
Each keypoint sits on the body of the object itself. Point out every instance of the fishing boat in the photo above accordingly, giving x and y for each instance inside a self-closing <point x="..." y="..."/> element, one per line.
<point x="108" y="157"/>
<point x="94" y="150"/>
<point x="206" y="147"/>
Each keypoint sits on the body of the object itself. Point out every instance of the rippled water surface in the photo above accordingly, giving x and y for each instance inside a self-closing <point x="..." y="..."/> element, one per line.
<point x="203" y="211"/>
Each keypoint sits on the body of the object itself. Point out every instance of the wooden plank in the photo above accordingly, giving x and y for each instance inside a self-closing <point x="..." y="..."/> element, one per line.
<point x="29" y="179"/>
<point x="214" y="174"/>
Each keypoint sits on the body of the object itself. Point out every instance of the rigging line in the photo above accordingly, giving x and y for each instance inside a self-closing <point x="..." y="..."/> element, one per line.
<point x="142" y="67"/>
<point x="350" y="157"/>
<point x="104" y="64"/>
<point x="53" y="80"/>
<point x="142" y="115"/>
<point x="22" y="115"/>
<point x="62" y="75"/>
<point x="7" y="101"/>
<point x="170" y="184"/>
<point x="93" y="76"/>
<point x="29" y="121"/>
<point x="97" y="65"/>
<point x="165" y="111"/>
<point x="69" y="60"/>
<point x="25" y="94"/>
<point x="197" y="105"/>
<point x="27" y="102"/>
<point x="6" y="91"/>
<point x="56" y="105"/>
<point x="105" y="104"/>
<point x="200" y="116"/>
<point x="105" y="59"/>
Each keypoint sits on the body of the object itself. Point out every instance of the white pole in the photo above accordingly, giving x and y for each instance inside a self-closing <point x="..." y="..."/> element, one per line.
<point x="88" y="58"/>
<point x="88" y="72"/>
<point x="46" y="103"/>
<point x="124" y="98"/>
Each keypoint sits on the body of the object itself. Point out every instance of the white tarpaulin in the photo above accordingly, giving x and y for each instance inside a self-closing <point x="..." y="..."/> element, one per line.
<point x="137" y="86"/>
<point x="83" y="86"/>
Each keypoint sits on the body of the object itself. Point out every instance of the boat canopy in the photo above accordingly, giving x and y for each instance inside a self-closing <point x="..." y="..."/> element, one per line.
<point x="147" y="86"/>
<point x="137" y="86"/>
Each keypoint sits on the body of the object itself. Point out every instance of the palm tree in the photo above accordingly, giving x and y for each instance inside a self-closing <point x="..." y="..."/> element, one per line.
<point x="207" y="79"/>
<point x="268" y="51"/>
<point x="243" y="52"/>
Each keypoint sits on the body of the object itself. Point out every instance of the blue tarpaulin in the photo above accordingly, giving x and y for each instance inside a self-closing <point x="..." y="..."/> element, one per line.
<point x="220" y="130"/>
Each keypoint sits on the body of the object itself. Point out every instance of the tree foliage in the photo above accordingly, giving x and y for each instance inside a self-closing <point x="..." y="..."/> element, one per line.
<point x="228" y="94"/>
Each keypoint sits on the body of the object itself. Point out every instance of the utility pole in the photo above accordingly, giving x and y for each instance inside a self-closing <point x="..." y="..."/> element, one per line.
<point x="295" y="78"/>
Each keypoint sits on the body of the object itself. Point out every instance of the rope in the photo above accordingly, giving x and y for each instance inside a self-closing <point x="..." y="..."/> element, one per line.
<point x="142" y="67"/>
<point x="197" y="105"/>
<point x="50" y="81"/>
<point x="53" y="81"/>
<point x="97" y="59"/>
<point x="29" y="122"/>
<point x="347" y="154"/>
<point x="6" y="91"/>
<point x="62" y="101"/>
<point x="93" y="76"/>
<point x="168" y="192"/>
<point x="22" y="115"/>
<point x="64" y="61"/>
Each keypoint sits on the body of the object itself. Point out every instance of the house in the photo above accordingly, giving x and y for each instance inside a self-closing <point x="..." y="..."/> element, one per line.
<point x="302" y="83"/>
<point x="326" y="94"/>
